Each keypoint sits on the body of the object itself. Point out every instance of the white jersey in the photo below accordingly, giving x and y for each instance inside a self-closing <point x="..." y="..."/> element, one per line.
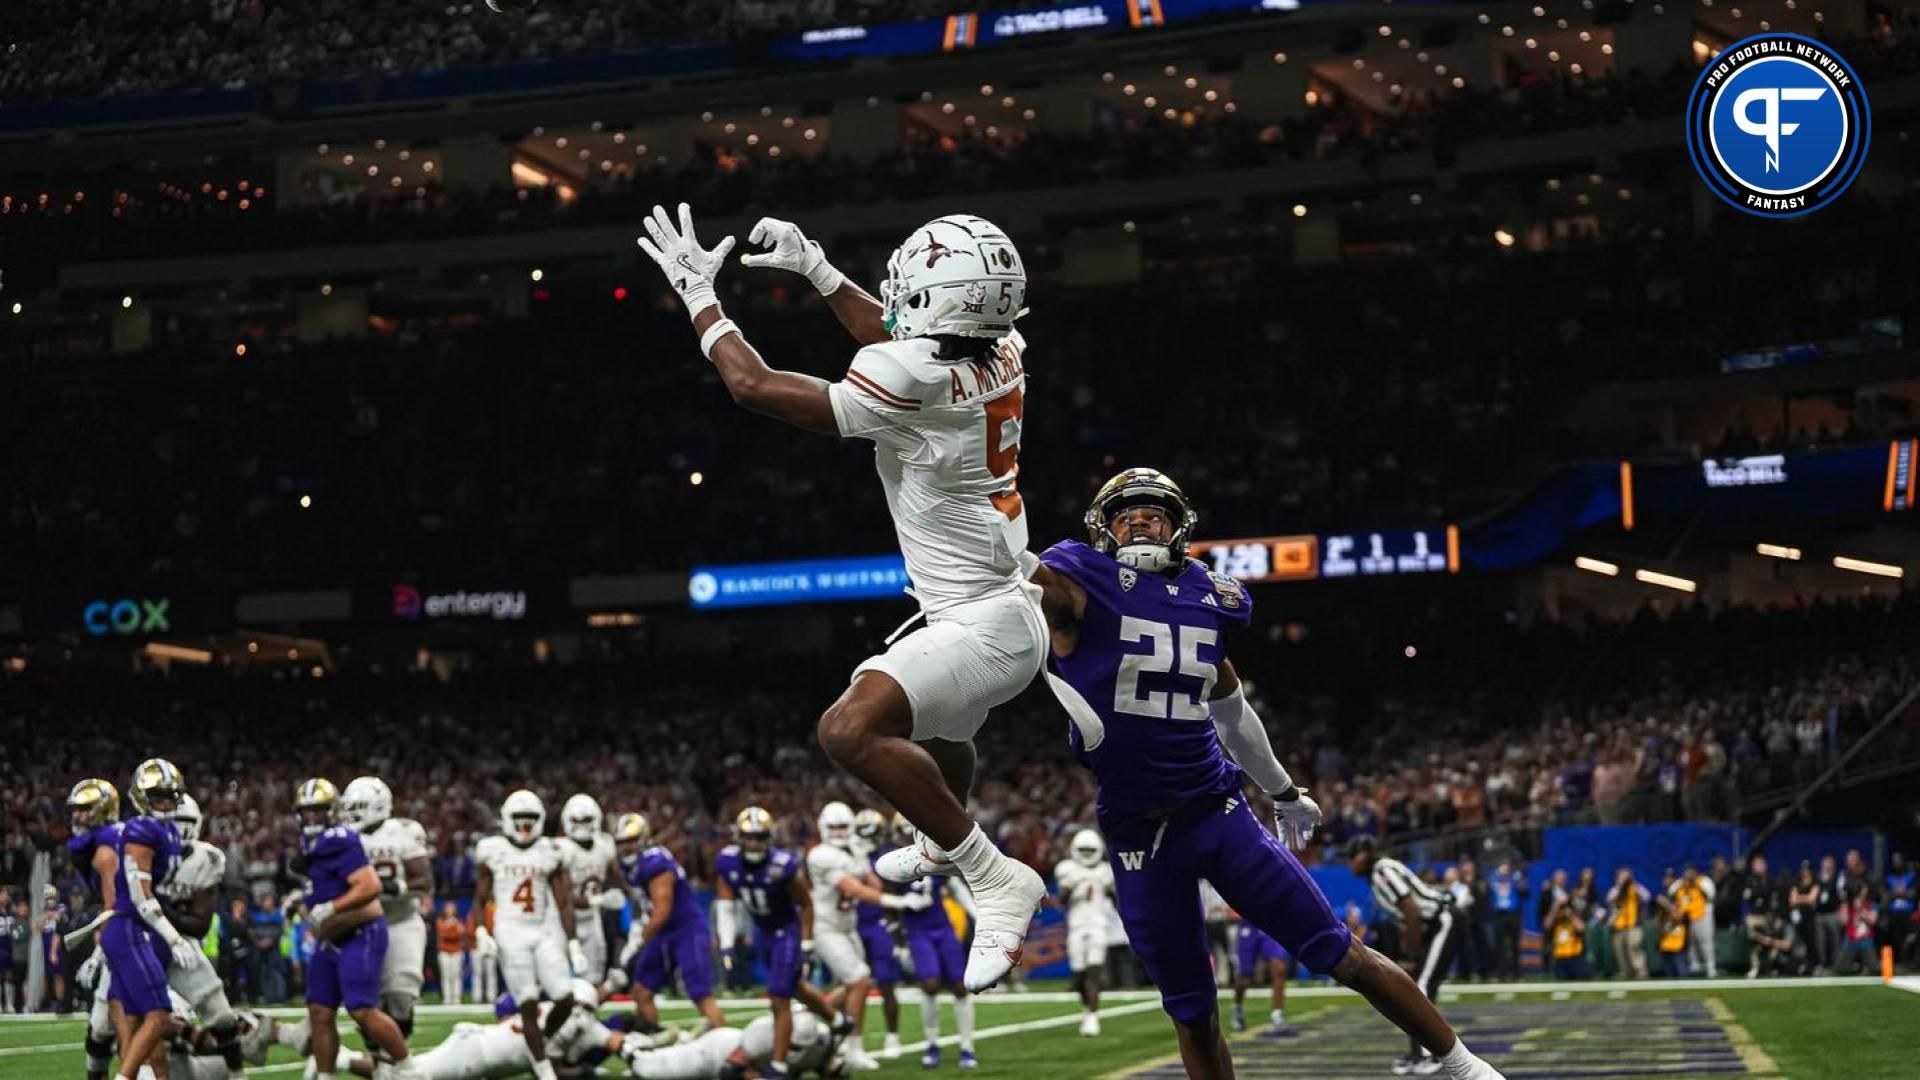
<point x="947" y="446"/>
<point x="203" y="867"/>
<point x="587" y="866"/>
<point x="476" y="1052"/>
<point x="833" y="911"/>
<point x="389" y="846"/>
<point x="522" y="886"/>
<point x="808" y="1051"/>
<point x="699" y="1059"/>
<point x="1088" y="893"/>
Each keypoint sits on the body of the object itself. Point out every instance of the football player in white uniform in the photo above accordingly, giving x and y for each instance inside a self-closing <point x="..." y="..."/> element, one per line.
<point x="188" y="896"/>
<point x="397" y="848"/>
<point x="195" y="1053"/>
<point x="593" y="867"/>
<point x="841" y="881"/>
<point x="524" y="875"/>
<point x="730" y="1053"/>
<point x="489" y="1051"/>
<point x="938" y="386"/>
<point x="1086" y="890"/>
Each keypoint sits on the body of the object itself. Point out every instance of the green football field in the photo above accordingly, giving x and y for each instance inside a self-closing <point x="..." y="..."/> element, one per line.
<point x="1834" y="1030"/>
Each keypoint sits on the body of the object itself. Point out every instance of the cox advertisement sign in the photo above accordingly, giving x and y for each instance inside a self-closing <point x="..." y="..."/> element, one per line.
<point x="127" y="616"/>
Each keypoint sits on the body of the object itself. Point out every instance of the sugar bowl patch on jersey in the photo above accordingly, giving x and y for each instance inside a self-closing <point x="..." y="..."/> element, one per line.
<point x="1227" y="592"/>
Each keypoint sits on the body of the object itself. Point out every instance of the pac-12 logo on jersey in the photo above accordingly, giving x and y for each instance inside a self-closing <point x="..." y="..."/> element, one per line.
<point x="1778" y="125"/>
<point x="1129" y="577"/>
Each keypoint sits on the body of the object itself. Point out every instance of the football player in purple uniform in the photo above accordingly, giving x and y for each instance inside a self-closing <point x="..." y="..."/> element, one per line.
<point x="939" y="959"/>
<point x="93" y="808"/>
<point x="349" y="932"/>
<point x="139" y="941"/>
<point x="673" y="936"/>
<point x="1139" y="660"/>
<point x="771" y="883"/>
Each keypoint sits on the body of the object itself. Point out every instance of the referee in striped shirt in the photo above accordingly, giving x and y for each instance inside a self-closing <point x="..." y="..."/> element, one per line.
<point x="1424" y="916"/>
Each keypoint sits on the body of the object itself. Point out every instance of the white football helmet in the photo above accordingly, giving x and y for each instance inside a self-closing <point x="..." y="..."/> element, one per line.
<point x="367" y="803"/>
<point x="956" y="275"/>
<point x="523" y="817"/>
<point x="836" y="824"/>
<point x="1088" y="849"/>
<point x="580" y="819"/>
<point x="585" y="996"/>
<point x="869" y="830"/>
<point x="186" y="818"/>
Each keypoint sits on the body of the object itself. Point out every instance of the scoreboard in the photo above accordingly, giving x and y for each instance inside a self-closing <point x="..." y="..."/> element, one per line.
<point x="1376" y="553"/>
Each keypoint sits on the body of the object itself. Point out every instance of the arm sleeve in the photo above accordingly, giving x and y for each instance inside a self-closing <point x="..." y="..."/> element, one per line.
<point x="1245" y="737"/>
<point x="877" y="397"/>
<point x="725" y="923"/>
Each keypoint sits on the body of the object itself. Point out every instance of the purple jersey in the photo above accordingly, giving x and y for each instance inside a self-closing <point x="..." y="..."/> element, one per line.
<point x="333" y="854"/>
<point x="651" y="863"/>
<point x="869" y="916"/>
<point x="83" y="845"/>
<point x="764" y="887"/>
<point x="1137" y="684"/>
<point x="933" y="917"/>
<point x="154" y="833"/>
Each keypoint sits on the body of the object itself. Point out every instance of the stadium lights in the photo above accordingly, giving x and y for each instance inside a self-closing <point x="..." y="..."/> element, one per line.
<point x="1503" y="238"/>
<point x="306" y="502"/>
<point x="18" y="307"/>
<point x="537" y="274"/>
<point x="1597" y="566"/>
<point x="696" y="478"/>
<point x="126" y="302"/>
<point x="1863" y="566"/>
<point x="602" y="619"/>
<point x="1654" y="577"/>
<point x="1778" y="551"/>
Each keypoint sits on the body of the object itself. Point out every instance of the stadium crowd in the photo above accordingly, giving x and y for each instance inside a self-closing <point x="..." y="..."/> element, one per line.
<point x="1375" y="391"/>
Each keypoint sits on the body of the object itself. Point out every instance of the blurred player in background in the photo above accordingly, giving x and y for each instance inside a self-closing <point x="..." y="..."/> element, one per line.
<point x="1253" y="949"/>
<point x="938" y="958"/>
<point x="592" y="865"/>
<point x="522" y="872"/>
<point x="733" y="1053"/>
<point x="672" y="935"/>
<point x="938" y="386"/>
<point x="93" y="812"/>
<point x="772" y="885"/>
<point x="842" y="880"/>
<point x="498" y="1050"/>
<point x="880" y="936"/>
<point x="189" y="897"/>
<point x="397" y="849"/>
<point x="349" y="933"/>
<point x="1086" y="889"/>
<point x="1139" y="636"/>
<point x="140" y="942"/>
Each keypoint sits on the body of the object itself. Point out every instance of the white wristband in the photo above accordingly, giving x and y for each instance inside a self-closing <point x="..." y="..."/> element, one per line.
<point x="714" y="334"/>
<point x="826" y="278"/>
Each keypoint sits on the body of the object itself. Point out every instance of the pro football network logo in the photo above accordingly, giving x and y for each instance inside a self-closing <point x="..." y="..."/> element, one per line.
<point x="1778" y="125"/>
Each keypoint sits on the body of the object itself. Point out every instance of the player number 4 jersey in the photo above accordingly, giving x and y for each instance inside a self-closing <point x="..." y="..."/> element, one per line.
<point x="947" y="446"/>
<point x="832" y="910"/>
<point x="389" y="846"/>
<point x="522" y="881"/>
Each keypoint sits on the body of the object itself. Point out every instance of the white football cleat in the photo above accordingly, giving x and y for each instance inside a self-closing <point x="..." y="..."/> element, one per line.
<point x="891" y="1048"/>
<point x="859" y="1059"/>
<point x="906" y="865"/>
<point x="1090" y="1024"/>
<point x="1003" y="911"/>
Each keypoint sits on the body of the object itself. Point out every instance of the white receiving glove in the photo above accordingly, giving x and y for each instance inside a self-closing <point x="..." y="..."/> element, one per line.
<point x="792" y="251"/>
<point x="483" y="942"/>
<point x="186" y="954"/>
<point x="1297" y="819"/>
<point x="690" y="268"/>
<point x="318" y="915"/>
<point x="577" y="956"/>
<point x="632" y="948"/>
<point x="88" y="976"/>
